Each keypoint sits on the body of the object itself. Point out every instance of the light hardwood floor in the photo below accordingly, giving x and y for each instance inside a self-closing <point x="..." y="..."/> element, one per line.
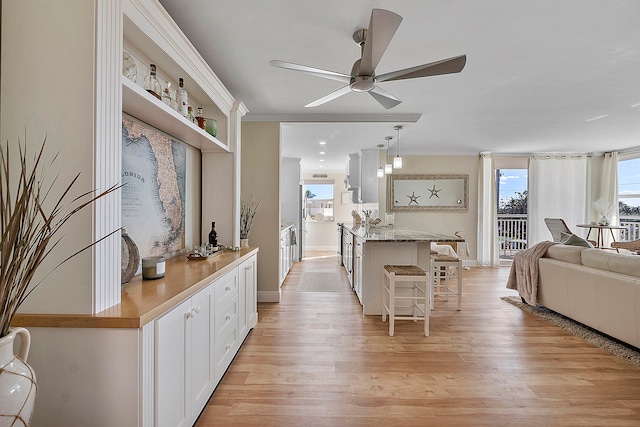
<point x="315" y="360"/>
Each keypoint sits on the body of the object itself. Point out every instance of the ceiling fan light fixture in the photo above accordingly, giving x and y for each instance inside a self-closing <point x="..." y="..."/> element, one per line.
<point x="362" y="83"/>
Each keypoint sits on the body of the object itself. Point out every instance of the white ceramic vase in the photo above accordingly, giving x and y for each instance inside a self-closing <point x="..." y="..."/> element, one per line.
<point x="244" y="243"/>
<point x="17" y="380"/>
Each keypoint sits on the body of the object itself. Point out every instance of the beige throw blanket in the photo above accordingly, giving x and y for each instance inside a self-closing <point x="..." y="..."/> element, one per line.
<point x="523" y="276"/>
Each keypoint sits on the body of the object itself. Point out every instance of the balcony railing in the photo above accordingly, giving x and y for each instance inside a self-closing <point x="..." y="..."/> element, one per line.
<point x="512" y="232"/>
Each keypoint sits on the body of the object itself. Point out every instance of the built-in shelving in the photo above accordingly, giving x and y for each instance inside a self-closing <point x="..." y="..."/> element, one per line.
<point x="144" y="106"/>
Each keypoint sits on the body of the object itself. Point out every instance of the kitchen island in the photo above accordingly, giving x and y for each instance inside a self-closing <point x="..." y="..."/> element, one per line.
<point x="373" y="247"/>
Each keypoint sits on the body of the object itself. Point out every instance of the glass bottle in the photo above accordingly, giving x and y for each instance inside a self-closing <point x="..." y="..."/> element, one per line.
<point x="183" y="98"/>
<point x="190" y="115"/>
<point x="166" y="95"/>
<point x="151" y="83"/>
<point x="213" y="237"/>
<point x="202" y="122"/>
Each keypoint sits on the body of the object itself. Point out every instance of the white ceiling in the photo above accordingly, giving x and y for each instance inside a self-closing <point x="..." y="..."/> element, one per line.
<point x="537" y="73"/>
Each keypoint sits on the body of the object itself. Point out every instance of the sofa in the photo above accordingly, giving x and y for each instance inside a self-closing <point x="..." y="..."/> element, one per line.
<point x="598" y="288"/>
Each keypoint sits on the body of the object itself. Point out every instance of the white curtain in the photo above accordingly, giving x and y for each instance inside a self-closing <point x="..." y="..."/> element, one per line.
<point x="608" y="193"/>
<point x="558" y="188"/>
<point x="487" y="212"/>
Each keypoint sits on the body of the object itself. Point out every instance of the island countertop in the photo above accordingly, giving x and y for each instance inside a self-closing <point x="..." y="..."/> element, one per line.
<point x="384" y="234"/>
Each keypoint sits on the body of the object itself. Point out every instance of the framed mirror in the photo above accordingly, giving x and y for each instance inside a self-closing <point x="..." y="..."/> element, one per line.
<point x="409" y="193"/>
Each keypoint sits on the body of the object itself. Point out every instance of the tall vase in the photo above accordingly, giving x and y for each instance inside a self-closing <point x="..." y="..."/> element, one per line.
<point x="17" y="380"/>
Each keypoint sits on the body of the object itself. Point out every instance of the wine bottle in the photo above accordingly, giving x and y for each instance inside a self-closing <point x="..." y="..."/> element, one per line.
<point x="213" y="237"/>
<point x="151" y="83"/>
<point x="183" y="99"/>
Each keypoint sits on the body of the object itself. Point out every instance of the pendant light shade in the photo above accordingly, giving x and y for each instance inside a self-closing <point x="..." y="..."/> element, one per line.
<point x="397" y="160"/>
<point x="380" y="169"/>
<point x="388" y="167"/>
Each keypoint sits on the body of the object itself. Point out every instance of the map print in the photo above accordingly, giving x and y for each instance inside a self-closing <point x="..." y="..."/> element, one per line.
<point x="153" y="168"/>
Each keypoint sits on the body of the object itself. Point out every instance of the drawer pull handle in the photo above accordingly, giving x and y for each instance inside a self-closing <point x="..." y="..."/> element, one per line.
<point x="228" y="317"/>
<point x="187" y="315"/>
<point x="195" y="310"/>
<point x="228" y="288"/>
<point x="228" y="347"/>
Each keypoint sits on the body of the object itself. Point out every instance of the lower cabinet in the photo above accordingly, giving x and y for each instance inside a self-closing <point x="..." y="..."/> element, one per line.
<point x="184" y="360"/>
<point x="196" y="341"/>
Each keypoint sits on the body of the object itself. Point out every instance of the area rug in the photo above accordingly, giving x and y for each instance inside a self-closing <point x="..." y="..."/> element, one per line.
<point x="319" y="282"/>
<point x="590" y="335"/>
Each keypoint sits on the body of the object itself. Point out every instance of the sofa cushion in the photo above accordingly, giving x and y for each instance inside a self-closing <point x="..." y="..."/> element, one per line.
<point x="612" y="261"/>
<point x="566" y="253"/>
<point x="577" y="241"/>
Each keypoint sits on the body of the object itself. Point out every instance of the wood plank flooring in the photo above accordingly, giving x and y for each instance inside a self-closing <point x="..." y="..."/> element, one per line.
<point x="315" y="360"/>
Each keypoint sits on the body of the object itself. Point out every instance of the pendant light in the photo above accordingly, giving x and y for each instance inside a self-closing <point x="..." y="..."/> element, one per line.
<point x="380" y="169"/>
<point x="388" y="167"/>
<point x="397" y="160"/>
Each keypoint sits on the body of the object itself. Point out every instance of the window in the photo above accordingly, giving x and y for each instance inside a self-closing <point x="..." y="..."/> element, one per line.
<point x="319" y="201"/>
<point x="629" y="197"/>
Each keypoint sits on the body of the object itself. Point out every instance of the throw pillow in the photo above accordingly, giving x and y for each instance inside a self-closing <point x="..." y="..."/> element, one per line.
<point x="565" y="236"/>
<point x="577" y="241"/>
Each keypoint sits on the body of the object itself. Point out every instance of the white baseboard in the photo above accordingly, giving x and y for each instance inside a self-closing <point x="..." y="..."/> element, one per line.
<point x="268" y="296"/>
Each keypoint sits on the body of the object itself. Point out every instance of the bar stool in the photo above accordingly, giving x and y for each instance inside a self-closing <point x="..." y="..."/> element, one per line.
<point x="441" y="267"/>
<point x="395" y="279"/>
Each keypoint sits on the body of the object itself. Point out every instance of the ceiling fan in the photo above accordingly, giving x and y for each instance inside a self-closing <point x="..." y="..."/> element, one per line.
<point x="374" y="41"/>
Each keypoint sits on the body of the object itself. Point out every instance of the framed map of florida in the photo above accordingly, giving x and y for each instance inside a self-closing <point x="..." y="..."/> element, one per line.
<point x="153" y="197"/>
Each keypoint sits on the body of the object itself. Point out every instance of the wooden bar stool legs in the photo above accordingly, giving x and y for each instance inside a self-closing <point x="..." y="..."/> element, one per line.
<point x="442" y="277"/>
<point x="407" y="283"/>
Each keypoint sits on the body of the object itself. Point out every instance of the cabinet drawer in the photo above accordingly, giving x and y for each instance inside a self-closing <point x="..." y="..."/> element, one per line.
<point x="225" y="351"/>
<point x="226" y="318"/>
<point x="225" y="288"/>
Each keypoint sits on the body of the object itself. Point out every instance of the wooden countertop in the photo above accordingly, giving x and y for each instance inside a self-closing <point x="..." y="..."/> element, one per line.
<point x="144" y="300"/>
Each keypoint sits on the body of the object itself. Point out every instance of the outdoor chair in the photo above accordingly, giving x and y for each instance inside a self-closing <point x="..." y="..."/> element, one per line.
<point x="631" y="245"/>
<point x="558" y="227"/>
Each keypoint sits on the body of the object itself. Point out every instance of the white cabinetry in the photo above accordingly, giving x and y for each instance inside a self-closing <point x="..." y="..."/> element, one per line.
<point x="184" y="360"/>
<point x="369" y="176"/>
<point x="286" y="253"/>
<point x="247" y="286"/>
<point x="362" y="176"/>
<point x="358" y="252"/>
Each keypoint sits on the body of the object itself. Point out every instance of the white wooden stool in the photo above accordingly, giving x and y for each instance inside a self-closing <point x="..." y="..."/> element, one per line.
<point x="415" y="294"/>
<point x="442" y="277"/>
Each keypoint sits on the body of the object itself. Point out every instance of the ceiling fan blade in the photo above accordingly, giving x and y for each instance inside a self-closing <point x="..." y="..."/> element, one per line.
<point x="383" y="25"/>
<point x="333" y="95"/>
<point x="445" y="66"/>
<point x="344" y="78"/>
<point x="384" y="98"/>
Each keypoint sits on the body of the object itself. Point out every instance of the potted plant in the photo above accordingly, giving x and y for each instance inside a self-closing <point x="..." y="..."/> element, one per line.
<point x="248" y="209"/>
<point x="29" y="227"/>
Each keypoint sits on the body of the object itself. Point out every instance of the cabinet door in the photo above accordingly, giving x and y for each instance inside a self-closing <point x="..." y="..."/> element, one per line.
<point x="247" y="272"/>
<point x="202" y="348"/>
<point x="171" y="355"/>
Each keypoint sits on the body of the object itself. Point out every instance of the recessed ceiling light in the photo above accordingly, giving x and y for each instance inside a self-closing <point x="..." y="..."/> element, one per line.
<point x="635" y="105"/>
<point x="322" y="160"/>
<point x="596" y="118"/>
<point x="322" y="152"/>
<point x="322" y="143"/>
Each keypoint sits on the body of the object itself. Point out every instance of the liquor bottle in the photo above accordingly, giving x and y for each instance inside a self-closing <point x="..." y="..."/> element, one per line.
<point x="202" y="122"/>
<point x="183" y="99"/>
<point x="151" y="83"/>
<point x="213" y="237"/>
